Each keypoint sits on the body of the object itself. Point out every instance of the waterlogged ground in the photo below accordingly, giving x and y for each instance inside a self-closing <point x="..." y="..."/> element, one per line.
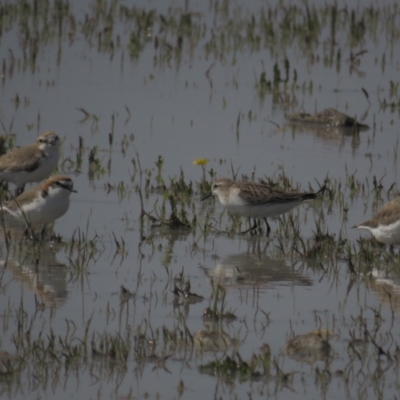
<point x="147" y="292"/>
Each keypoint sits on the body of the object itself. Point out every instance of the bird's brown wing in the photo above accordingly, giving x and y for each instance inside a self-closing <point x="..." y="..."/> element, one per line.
<point x="25" y="197"/>
<point x="263" y="194"/>
<point x="387" y="215"/>
<point x="23" y="159"/>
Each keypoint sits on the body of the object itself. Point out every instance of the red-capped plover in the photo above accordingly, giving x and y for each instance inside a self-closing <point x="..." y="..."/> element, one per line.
<point x="31" y="163"/>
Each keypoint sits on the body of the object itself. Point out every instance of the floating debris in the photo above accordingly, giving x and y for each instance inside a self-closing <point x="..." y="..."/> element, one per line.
<point x="125" y="294"/>
<point x="309" y="347"/>
<point x="212" y="340"/>
<point x="329" y="117"/>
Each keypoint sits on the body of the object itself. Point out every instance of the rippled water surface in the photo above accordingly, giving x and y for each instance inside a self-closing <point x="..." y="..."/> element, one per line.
<point x="137" y="93"/>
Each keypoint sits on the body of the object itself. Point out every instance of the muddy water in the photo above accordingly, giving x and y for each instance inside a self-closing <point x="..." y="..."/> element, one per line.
<point x="144" y="95"/>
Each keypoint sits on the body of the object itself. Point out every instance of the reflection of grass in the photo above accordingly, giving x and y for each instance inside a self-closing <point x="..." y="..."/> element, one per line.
<point x="52" y="352"/>
<point x="235" y="367"/>
<point x="174" y="34"/>
<point x="96" y="168"/>
<point x="216" y="312"/>
<point x="91" y="117"/>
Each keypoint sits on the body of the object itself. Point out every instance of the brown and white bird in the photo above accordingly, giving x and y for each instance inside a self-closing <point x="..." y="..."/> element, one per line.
<point x="257" y="200"/>
<point x="385" y="225"/>
<point x="31" y="163"/>
<point x="44" y="203"/>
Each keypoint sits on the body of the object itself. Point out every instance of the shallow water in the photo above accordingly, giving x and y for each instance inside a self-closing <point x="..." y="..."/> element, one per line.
<point x="61" y="304"/>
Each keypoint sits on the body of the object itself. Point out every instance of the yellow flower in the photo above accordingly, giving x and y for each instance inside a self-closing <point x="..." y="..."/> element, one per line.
<point x="201" y="161"/>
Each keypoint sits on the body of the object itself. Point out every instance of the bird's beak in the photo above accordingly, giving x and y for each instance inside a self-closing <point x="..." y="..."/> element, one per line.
<point x="207" y="196"/>
<point x="73" y="191"/>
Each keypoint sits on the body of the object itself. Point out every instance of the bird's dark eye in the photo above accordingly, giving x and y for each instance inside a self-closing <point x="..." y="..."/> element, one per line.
<point x="63" y="184"/>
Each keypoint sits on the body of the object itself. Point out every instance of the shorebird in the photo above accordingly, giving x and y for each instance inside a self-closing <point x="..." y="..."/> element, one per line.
<point x="44" y="203"/>
<point x="385" y="225"/>
<point x="31" y="163"/>
<point x="257" y="200"/>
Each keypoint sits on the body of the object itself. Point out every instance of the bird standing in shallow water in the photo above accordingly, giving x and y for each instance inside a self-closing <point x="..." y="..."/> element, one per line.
<point x="31" y="163"/>
<point x="257" y="200"/>
<point x="44" y="203"/>
<point x="385" y="225"/>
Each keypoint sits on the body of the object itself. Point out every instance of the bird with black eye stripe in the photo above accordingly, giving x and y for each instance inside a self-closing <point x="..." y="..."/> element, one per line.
<point x="44" y="203"/>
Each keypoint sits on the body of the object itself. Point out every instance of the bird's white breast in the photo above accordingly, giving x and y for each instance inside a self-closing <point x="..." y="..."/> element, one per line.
<point x="46" y="166"/>
<point x="46" y="209"/>
<point x="389" y="234"/>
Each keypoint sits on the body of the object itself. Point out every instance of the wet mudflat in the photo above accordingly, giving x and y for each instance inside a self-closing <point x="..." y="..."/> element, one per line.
<point x="148" y="292"/>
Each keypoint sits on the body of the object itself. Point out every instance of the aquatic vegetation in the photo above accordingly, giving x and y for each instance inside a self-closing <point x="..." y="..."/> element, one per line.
<point x="216" y="311"/>
<point x="146" y="289"/>
<point x="234" y="367"/>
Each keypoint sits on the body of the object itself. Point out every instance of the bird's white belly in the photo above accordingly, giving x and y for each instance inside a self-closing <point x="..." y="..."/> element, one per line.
<point x="44" y="211"/>
<point x="389" y="234"/>
<point x="43" y="171"/>
<point x="261" y="210"/>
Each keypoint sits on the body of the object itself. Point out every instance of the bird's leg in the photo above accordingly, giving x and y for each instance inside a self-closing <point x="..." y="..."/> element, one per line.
<point x="19" y="190"/>
<point x="4" y="187"/>
<point x="259" y="228"/>
<point x="268" y="227"/>
<point x="29" y="233"/>
<point x="255" y="225"/>
<point x="252" y="228"/>
<point x="43" y="232"/>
